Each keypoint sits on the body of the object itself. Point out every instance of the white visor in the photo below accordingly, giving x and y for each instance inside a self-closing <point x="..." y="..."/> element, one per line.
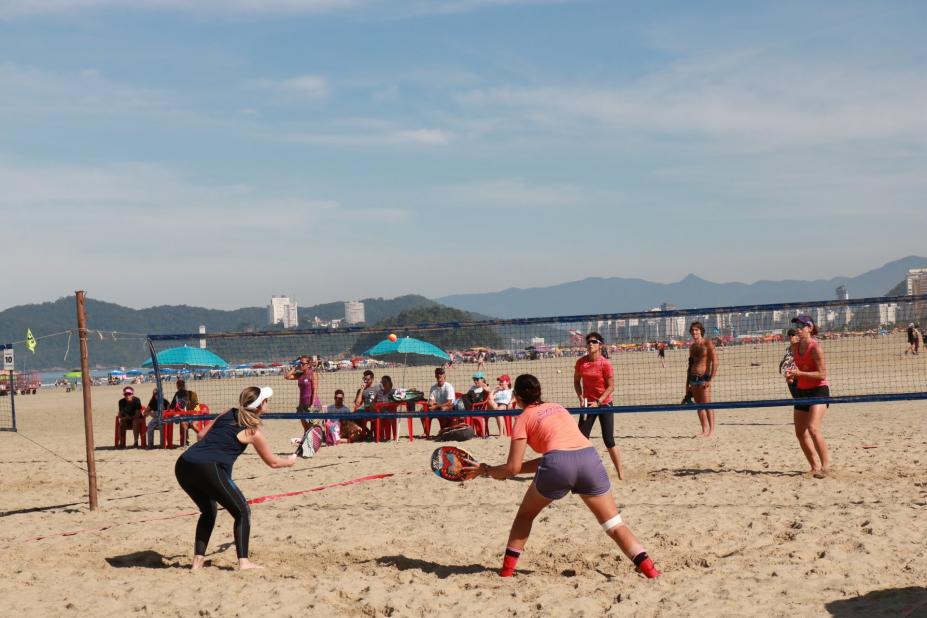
<point x="266" y="393"/>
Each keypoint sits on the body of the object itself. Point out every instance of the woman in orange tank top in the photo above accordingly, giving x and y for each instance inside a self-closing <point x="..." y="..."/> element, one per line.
<point x="810" y="377"/>
<point x="569" y="463"/>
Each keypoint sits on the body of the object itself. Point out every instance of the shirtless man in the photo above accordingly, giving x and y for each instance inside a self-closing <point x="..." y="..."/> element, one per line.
<point x="703" y="365"/>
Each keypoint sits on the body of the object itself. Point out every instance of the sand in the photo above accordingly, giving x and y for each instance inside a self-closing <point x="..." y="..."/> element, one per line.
<point x="733" y="523"/>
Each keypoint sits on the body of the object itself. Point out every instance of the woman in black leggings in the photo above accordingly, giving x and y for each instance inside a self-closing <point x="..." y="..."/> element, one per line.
<point x="204" y="470"/>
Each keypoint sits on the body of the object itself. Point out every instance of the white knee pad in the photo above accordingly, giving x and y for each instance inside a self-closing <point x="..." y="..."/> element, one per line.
<point x="611" y="523"/>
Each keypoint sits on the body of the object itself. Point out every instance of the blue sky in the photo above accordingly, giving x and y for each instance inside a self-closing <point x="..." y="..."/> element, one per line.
<point x="216" y="152"/>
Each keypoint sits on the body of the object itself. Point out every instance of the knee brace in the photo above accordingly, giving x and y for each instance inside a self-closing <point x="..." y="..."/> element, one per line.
<point x="611" y="523"/>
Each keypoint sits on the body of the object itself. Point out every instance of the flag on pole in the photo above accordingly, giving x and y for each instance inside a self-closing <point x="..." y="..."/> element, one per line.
<point x="30" y="341"/>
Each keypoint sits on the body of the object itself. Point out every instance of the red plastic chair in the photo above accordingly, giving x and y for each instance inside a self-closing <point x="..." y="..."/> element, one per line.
<point x="480" y="424"/>
<point x="168" y="428"/>
<point x="120" y="438"/>
<point x="385" y="428"/>
<point x="426" y="420"/>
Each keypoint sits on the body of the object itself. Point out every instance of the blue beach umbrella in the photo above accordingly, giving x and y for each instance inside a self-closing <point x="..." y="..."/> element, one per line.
<point x="185" y="356"/>
<point x="408" y="351"/>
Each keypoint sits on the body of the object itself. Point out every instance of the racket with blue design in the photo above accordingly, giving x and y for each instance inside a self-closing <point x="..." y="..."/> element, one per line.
<point x="448" y="462"/>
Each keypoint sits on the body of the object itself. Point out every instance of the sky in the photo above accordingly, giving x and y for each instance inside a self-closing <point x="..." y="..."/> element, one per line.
<point x="216" y="152"/>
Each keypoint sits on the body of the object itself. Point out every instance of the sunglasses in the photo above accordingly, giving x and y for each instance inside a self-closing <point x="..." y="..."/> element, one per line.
<point x="593" y="341"/>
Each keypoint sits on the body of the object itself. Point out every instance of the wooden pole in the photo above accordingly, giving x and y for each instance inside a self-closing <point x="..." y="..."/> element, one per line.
<point x="88" y="406"/>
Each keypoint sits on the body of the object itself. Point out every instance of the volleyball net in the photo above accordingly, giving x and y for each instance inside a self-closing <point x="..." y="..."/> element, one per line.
<point x="7" y="401"/>
<point x="864" y="342"/>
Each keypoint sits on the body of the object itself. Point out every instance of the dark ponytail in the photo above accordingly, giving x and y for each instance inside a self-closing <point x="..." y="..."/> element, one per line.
<point x="528" y="389"/>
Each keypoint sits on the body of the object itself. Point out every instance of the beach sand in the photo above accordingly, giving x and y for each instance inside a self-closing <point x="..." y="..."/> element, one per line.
<point x="733" y="522"/>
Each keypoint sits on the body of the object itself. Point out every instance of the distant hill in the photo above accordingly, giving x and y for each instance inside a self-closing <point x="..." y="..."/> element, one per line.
<point x="122" y="349"/>
<point x="615" y="294"/>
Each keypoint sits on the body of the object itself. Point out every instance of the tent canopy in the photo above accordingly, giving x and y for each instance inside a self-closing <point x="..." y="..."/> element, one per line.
<point x="185" y="356"/>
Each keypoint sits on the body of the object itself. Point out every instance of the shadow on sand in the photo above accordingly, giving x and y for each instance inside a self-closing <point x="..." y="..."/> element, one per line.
<point x="702" y="471"/>
<point x="402" y="563"/>
<point x="146" y="558"/>
<point x="149" y="559"/>
<point x="39" y="509"/>
<point x="904" y="602"/>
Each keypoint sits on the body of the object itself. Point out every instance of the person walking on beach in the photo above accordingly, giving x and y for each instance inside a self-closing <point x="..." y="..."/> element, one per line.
<point x="568" y="463"/>
<point x="594" y="383"/>
<point x="204" y="471"/>
<point x="912" y="339"/>
<point x="703" y="366"/>
<point x="307" y="381"/>
<point x="661" y="354"/>
<point x="810" y="374"/>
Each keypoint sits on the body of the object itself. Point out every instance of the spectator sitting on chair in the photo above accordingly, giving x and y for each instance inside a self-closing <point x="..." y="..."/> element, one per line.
<point x="347" y="430"/>
<point x="130" y="413"/>
<point x="184" y="400"/>
<point x="385" y="392"/>
<point x="478" y="393"/>
<point x="501" y="398"/>
<point x="151" y="412"/>
<point x="367" y="393"/>
<point x="442" y="397"/>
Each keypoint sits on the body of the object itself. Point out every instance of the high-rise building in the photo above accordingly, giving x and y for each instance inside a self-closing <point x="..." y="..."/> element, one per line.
<point x="282" y="310"/>
<point x="353" y="312"/>
<point x="843" y="293"/>
<point x="916" y="280"/>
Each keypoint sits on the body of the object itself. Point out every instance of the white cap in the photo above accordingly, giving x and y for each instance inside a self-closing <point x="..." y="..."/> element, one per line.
<point x="266" y="393"/>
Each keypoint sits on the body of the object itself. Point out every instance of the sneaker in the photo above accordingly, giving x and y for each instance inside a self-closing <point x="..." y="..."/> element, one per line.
<point x="649" y="569"/>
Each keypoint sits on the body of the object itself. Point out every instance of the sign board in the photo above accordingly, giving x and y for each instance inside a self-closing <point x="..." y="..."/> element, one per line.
<point x="8" y="359"/>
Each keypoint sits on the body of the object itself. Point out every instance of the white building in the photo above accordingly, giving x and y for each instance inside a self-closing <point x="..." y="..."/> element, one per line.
<point x="282" y="310"/>
<point x="353" y="312"/>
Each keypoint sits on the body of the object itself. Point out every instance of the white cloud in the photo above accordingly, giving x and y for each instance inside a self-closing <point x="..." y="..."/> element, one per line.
<point x="312" y="86"/>
<point x="514" y="193"/>
<point x="436" y="7"/>
<point x="151" y="197"/>
<point x="374" y="137"/>
<point x="19" y="8"/>
<point x="393" y="8"/>
<point x="739" y="97"/>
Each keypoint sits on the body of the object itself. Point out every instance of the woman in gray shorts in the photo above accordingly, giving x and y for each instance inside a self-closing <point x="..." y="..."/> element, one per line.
<point x="569" y="464"/>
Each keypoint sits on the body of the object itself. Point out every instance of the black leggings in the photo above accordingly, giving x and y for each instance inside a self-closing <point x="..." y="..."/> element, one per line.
<point x="208" y="484"/>
<point x="606" y="422"/>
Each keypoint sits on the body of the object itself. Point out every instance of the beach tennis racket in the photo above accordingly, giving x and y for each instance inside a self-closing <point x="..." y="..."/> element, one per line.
<point x="310" y="443"/>
<point x="448" y="462"/>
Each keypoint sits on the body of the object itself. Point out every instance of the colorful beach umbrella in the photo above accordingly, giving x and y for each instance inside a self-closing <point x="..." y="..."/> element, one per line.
<point x="408" y="351"/>
<point x="186" y="356"/>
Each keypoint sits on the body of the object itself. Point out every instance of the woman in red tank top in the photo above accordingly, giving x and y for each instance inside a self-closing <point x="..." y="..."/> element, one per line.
<point x="810" y="377"/>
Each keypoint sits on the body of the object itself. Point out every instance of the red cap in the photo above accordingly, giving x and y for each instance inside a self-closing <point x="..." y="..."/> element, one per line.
<point x="505" y="377"/>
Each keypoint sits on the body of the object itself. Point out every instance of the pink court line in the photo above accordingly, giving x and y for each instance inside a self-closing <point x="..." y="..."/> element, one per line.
<point x="259" y="500"/>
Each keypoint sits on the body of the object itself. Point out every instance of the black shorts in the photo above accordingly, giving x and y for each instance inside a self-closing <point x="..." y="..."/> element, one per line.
<point x="803" y="393"/>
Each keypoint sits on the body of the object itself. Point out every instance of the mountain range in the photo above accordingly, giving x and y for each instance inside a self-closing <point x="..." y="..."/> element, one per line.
<point x="589" y="296"/>
<point x="616" y="294"/>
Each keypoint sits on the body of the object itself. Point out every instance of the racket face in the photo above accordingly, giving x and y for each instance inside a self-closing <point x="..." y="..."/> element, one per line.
<point x="448" y="462"/>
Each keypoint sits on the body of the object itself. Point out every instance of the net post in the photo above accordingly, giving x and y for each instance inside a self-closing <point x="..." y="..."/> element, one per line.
<point x="12" y="392"/>
<point x="160" y="393"/>
<point x="79" y="297"/>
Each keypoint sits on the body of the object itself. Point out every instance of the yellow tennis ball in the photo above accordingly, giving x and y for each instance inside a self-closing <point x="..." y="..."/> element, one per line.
<point x="392" y="337"/>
